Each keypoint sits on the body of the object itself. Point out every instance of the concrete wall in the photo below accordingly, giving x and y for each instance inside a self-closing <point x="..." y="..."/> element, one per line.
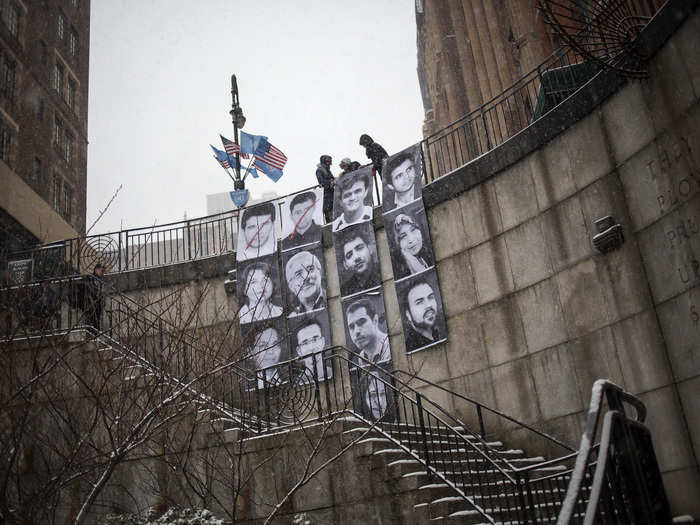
<point x="535" y="314"/>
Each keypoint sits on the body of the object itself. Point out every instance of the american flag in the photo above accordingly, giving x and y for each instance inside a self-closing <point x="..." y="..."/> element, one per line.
<point x="224" y="164"/>
<point x="221" y="157"/>
<point x="274" y="157"/>
<point x="232" y="148"/>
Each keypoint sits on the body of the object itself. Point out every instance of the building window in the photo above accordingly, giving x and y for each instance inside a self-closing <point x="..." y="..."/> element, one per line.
<point x="68" y="147"/>
<point x="36" y="170"/>
<point x="13" y="19"/>
<point x="42" y="51"/>
<point x="58" y="78"/>
<point x="61" y="26"/>
<point x="73" y="42"/>
<point x="8" y="77"/>
<point x="57" y="184"/>
<point x="70" y="94"/>
<point x="67" y="202"/>
<point x="5" y="142"/>
<point x="58" y="134"/>
<point x="40" y="110"/>
<point x="74" y="3"/>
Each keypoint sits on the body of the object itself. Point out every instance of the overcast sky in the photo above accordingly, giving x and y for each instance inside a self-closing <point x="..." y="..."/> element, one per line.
<point x="312" y="75"/>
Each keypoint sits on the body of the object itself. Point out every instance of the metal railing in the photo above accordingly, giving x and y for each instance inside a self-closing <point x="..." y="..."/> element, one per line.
<point x="511" y="111"/>
<point x="453" y="146"/>
<point x="336" y="381"/>
<point x="617" y="477"/>
<point x="515" y="108"/>
<point x="474" y="134"/>
<point x="146" y="247"/>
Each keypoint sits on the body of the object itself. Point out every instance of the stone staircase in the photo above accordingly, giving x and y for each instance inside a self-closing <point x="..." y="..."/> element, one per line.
<point x="436" y="497"/>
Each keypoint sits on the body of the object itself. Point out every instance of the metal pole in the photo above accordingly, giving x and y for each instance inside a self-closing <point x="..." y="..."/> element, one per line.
<point x="236" y="115"/>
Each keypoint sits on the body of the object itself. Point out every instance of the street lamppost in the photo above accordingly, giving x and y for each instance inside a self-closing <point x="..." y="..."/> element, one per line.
<point x="238" y="122"/>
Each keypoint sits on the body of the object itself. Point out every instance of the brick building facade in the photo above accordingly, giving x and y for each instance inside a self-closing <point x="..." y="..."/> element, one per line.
<point x="44" y="63"/>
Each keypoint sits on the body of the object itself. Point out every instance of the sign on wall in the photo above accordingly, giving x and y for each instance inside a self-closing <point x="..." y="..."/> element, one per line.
<point x="411" y="251"/>
<point x="20" y="271"/>
<point x="282" y="296"/>
<point x="362" y="300"/>
<point x="303" y="265"/>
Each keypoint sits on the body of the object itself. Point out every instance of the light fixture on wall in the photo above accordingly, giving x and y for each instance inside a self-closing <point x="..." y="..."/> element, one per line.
<point x="610" y="236"/>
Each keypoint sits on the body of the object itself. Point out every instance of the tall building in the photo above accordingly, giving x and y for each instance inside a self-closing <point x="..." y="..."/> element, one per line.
<point x="469" y="51"/>
<point x="44" y="60"/>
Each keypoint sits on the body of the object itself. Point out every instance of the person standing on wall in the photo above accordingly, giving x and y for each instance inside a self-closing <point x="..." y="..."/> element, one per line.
<point x="374" y="152"/>
<point x="327" y="181"/>
<point x="348" y="166"/>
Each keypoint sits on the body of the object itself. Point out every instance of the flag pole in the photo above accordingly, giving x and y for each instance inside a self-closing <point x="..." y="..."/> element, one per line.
<point x="238" y="121"/>
<point x="227" y="173"/>
<point x="247" y="168"/>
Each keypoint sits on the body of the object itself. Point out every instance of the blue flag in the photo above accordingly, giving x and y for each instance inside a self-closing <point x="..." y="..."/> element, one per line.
<point x="252" y="144"/>
<point x="268" y="170"/>
<point x="222" y="157"/>
<point x="251" y="169"/>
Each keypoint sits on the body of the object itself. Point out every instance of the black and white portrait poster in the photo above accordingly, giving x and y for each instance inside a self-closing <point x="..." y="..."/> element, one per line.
<point x="356" y="258"/>
<point x="373" y="393"/>
<point x="411" y="250"/>
<point x="257" y="231"/>
<point x="266" y="345"/>
<point x="365" y="328"/>
<point x="407" y="233"/>
<point x="422" y="316"/>
<point x="305" y="280"/>
<point x="302" y="217"/>
<point x="352" y="199"/>
<point x="309" y="341"/>
<point x="401" y="178"/>
<point x="258" y="289"/>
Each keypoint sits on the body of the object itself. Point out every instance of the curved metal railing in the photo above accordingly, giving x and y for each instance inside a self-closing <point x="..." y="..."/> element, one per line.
<point x="335" y="381"/>
<point x="445" y="150"/>
<point x="616" y="478"/>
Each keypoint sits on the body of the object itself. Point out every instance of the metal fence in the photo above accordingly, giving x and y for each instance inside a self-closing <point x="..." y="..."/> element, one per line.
<point x="474" y="134"/>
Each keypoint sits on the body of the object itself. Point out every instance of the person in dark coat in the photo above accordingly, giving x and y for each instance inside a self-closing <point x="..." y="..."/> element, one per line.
<point x="93" y="296"/>
<point x="327" y="181"/>
<point x="374" y="152"/>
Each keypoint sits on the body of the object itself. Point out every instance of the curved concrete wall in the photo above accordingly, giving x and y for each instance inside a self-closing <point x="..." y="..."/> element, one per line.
<point x="535" y="314"/>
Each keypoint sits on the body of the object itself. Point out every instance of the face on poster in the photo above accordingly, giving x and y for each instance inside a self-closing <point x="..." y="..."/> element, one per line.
<point x="302" y="218"/>
<point x="422" y="315"/>
<point x="401" y="178"/>
<point x="266" y="345"/>
<point x="257" y="231"/>
<point x="258" y="290"/>
<point x="373" y="395"/>
<point x="410" y="247"/>
<point x="356" y="258"/>
<point x="352" y="199"/>
<point x="365" y="328"/>
<point x="305" y="280"/>
<point x="309" y="336"/>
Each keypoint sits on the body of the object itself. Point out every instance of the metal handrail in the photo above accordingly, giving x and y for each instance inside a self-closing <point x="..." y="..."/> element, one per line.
<point x="442" y="443"/>
<point x="480" y="406"/>
<point x="446" y="149"/>
<point x="603" y="389"/>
